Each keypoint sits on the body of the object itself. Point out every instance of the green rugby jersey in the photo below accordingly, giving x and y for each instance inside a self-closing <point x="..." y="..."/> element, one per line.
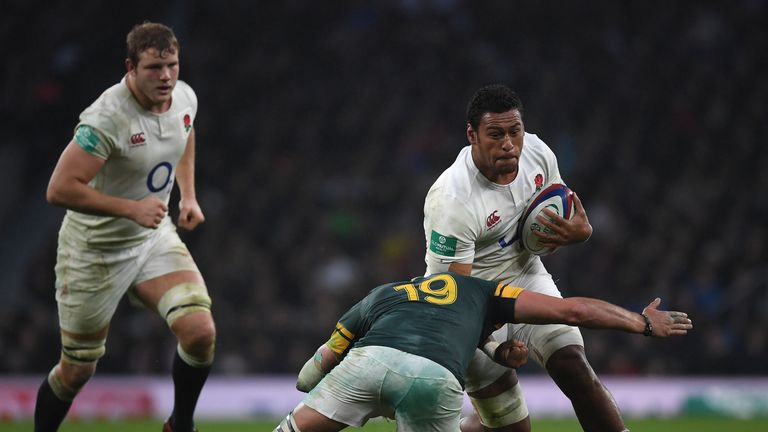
<point x="442" y="317"/>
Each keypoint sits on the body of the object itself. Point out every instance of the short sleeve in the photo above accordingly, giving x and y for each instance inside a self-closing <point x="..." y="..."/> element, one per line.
<point x="347" y="331"/>
<point x="449" y="231"/>
<point x="92" y="141"/>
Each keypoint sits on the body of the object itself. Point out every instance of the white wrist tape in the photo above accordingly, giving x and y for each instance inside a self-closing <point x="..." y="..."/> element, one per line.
<point x="490" y="349"/>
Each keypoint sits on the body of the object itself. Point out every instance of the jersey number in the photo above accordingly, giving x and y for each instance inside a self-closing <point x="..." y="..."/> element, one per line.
<point x="441" y="296"/>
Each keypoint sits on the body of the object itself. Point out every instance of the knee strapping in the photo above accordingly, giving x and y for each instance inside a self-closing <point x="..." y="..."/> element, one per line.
<point x="502" y="410"/>
<point x="183" y="299"/>
<point x="82" y="351"/>
<point x="287" y="425"/>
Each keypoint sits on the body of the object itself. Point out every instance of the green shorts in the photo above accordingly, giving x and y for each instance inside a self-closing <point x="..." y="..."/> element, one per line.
<point x="90" y="282"/>
<point x="374" y="381"/>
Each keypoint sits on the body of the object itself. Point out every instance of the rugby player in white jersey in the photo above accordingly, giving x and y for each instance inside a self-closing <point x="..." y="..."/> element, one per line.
<point x="115" y="179"/>
<point x="471" y="214"/>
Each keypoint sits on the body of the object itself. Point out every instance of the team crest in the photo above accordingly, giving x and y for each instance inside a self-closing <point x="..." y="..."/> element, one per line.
<point x="539" y="181"/>
<point x="187" y="123"/>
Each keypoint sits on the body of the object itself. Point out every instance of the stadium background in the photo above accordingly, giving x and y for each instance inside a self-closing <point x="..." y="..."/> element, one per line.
<point x="322" y="124"/>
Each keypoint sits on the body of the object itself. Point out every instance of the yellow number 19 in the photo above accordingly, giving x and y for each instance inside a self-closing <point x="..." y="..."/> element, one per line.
<point x="440" y="296"/>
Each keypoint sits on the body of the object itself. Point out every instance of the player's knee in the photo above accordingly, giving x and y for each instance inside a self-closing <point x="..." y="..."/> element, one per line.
<point x="198" y="336"/>
<point x="505" y="410"/>
<point x="78" y="375"/>
<point x="288" y="424"/>
<point x="70" y="378"/>
<point x="570" y="369"/>
<point x="197" y="342"/>
<point x="568" y="361"/>
<point x="77" y="365"/>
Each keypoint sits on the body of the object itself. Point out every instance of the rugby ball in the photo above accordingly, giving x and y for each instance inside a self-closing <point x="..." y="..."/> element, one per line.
<point x="556" y="197"/>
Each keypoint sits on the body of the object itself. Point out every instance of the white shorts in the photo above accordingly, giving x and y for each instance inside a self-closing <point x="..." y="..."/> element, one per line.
<point x="374" y="381"/>
<point x="91" y="282"/>
<point x="542" y="340"/>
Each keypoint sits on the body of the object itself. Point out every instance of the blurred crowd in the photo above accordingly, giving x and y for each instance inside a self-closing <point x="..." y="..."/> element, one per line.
<point x="322" y="124"/>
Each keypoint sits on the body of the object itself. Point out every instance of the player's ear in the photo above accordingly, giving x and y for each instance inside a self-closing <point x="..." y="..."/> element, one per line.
<point x="129" y="66"/>
<point x="471" y="134"/>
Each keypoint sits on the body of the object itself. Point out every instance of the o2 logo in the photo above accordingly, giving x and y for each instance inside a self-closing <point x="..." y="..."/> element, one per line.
<point x="159" y="176"/>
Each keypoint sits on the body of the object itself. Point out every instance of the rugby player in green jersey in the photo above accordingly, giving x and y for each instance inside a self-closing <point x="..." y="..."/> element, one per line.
<point x="403" y="350"/>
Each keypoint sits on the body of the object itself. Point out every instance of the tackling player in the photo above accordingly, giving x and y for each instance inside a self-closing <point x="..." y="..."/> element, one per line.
<point x="115" y="178"/>
<point x="403" y="349"/>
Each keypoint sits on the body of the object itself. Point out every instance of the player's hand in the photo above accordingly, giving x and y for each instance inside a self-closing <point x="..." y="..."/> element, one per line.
<point x="561" y="231"/>
<point x="667" y="323"/>
<point x="511" y="353"/>
<point x="190" y="214"/>
<point x="149" y="212"/>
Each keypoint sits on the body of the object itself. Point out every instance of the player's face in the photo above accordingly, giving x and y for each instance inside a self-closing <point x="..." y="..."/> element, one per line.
<point x="154" y="78"/>
<point x="497" y="144"/>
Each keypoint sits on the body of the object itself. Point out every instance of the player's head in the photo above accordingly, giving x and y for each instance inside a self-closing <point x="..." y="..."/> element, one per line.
<point x="493" y="98"/>
<point x="151" y="35"/>
<point x="495" y="130"/>
<point x="153" y="64"/>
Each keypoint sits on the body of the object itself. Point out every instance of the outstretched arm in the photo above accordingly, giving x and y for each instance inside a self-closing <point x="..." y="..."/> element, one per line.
<point x="588" y="312"/>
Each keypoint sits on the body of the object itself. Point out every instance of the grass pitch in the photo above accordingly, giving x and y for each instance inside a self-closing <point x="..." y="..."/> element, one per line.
<point x="698" y="424"/>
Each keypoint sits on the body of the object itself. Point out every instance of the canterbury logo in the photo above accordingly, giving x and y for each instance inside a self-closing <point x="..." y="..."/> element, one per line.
<point x="138" y="138"/>
<point x="492" y="219"/>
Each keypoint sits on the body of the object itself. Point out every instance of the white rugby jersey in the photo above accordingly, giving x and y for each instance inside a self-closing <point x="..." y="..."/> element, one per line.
<point x="141" y="149"/>
<point x="469" y="219"/>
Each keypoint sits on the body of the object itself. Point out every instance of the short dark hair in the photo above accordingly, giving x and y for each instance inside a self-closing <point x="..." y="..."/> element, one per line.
<point x="494" y="98"/>
<point x="150" y="35"/>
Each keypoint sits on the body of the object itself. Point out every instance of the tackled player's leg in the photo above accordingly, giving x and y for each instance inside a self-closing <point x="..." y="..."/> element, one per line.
<point x="594" y="406"/>
<point x="496" y="397"/>
<point x="560" y="350"/>
<point x="500" y="402"/>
